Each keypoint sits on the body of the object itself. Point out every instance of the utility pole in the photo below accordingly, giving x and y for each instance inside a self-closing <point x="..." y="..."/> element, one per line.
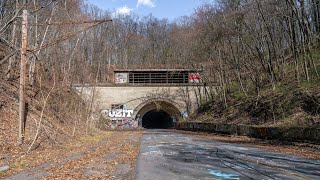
<point x="22" y="101"/>
<point x="22" y="85"/>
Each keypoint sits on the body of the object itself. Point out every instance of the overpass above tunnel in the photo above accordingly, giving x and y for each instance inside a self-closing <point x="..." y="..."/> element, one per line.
<point x="148" y="98"/>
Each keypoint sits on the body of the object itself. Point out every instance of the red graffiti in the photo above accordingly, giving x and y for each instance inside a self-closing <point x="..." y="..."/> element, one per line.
<point x="194" y="77"/>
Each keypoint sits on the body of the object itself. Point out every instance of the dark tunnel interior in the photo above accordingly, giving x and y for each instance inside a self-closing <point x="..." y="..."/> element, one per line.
<point x="157" y="120"/>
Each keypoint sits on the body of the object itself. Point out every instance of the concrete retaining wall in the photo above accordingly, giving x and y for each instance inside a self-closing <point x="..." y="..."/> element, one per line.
<point x="296" y="134"/>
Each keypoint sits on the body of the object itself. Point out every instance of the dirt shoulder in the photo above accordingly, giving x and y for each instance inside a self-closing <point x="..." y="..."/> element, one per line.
<point x="305" y="150"/>
<point x="107" y="154"/>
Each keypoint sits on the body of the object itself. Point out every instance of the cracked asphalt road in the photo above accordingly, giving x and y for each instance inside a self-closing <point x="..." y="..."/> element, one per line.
<point x="165" y="155"/>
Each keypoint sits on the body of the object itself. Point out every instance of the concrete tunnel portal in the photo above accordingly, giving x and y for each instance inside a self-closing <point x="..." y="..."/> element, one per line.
<point x="149" y="98"/>
<point x="158" y="115"/>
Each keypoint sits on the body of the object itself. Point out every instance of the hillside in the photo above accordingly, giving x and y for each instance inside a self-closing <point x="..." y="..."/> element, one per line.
<point x="299" y="107"/>
<point x="59" y="111"/>
<point x="289" y="104"/>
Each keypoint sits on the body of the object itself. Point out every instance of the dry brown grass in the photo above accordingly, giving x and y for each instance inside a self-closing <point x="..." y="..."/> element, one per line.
<point x="63" y="120"/>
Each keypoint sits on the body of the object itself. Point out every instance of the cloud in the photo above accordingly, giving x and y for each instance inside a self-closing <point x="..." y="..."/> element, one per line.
<point x="125" y="10"/>
<point x="148" y="3"/>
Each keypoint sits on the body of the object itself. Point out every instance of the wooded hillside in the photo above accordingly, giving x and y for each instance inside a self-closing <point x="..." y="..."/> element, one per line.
<point x="250" y="43"/>
<point x="250" y="50"/>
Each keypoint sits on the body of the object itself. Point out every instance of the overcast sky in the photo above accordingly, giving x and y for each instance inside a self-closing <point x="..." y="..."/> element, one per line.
<point x="170" y="9"/>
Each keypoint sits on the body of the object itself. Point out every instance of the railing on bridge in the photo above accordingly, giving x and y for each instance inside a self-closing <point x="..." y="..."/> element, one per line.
<point x="157" y="76"/>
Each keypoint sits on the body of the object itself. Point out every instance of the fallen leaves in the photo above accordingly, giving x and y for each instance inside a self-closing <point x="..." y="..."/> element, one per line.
<point x="98" y="156"/>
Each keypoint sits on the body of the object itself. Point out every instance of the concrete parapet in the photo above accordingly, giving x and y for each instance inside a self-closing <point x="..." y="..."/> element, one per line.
<point x="296" y="134"/>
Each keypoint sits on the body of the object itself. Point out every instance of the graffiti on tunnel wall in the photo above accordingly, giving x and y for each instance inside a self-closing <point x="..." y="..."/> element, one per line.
<point x="121" y="78"/>
<point x="123" y="123"/>
<point x="117" y="113"/>
<point x="194" y="78"/>
<point x="120" y="118"/>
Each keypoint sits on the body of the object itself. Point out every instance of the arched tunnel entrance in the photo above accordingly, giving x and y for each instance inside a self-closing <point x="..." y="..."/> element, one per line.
<point x="157" y="120"/>
<point x="158" y="115"/>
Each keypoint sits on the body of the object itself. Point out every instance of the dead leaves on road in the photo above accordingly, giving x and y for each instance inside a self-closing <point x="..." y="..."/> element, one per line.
<point x="107" y="155"/>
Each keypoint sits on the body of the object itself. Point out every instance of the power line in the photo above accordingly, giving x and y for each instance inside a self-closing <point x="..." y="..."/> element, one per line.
<point x="72" y="22"/>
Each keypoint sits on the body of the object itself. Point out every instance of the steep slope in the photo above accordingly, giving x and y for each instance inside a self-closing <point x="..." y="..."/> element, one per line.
<point x="288" y="105"/>
<point x="58" y="110"/>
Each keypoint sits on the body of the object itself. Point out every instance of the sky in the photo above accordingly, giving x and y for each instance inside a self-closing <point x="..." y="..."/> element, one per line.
<point x="169" y="9"/>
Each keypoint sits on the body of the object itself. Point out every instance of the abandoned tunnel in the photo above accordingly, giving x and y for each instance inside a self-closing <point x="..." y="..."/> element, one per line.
<point x="158" y="115"/>
<point x="157" y="120"/>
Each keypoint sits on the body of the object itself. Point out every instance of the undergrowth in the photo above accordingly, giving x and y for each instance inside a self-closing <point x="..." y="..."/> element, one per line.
<point x="290" y="103"/>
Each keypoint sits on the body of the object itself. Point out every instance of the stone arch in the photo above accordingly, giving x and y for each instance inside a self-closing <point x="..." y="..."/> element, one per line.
<point x="167" y="105"/>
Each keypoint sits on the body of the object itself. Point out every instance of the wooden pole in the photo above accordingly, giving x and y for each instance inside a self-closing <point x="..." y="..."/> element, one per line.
<point x="22" y="102"/>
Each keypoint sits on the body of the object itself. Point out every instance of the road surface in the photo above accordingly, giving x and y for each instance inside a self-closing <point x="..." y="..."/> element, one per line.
<point x="168" y="155"/>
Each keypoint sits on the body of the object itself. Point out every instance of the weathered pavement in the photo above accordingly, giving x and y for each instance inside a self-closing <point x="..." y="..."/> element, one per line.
<point x="112" y="156"/>
<point x="169" y="155"/>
